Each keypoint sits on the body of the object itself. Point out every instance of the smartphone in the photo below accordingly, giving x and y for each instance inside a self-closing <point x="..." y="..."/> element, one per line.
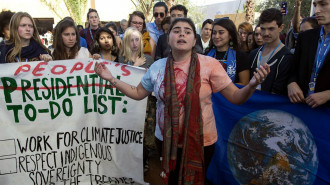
<point x="284" y="7"/>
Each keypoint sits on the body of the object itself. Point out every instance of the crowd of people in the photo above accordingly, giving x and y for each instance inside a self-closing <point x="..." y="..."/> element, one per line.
<point x="185" y="68"/>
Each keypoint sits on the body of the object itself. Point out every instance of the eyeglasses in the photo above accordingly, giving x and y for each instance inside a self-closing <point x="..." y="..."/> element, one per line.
<point x="137" y="23"/>
<point x="161" y="14"/>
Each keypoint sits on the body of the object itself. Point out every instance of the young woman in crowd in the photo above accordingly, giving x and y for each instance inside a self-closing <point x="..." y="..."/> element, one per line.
<point x="137" y="20"/>
<point x="5" y="17"/>
<point x="166" y="24"/>
<point x="243" y="29"/>
<point x="250" y="42"/>
<point x="224" y="47"/>
<point x="105" y="45"/>
<point x="258" y="37"/>
<point x="183" y="84"/>
<point x="24" y="43"/>
<point x="132" y="51"/>
<point x="113" y="28"/>
<point x="132" y="54"/>
<point x="66" y="42"/>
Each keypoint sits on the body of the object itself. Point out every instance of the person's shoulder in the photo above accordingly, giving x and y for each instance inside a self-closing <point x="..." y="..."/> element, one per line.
<point x="285" y="51"/>
<point x="149" y="58"/>
<point x="254" y="52"/>
<point x="149" y="25"/>
<point x="309" y="35"/>
<point x="206" y="59"/>
<point x="162" y="37"/>
<point x="159" y="63"/>
<point x="83" y="49"/>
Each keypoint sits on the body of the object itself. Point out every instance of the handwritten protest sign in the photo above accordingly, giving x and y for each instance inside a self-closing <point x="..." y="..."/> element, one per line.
<point x="61" y="124"/>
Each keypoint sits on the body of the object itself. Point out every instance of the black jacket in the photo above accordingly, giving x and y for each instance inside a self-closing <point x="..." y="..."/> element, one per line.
<point x="280" y="63"/>
<point x="303" y="63"/>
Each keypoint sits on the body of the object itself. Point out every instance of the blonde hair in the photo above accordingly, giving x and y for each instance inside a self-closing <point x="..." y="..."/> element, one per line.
<point x="126" y="51"/>
<point x="14" y="37"/>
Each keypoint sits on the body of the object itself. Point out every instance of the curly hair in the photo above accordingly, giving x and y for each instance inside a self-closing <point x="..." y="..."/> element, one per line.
<point x="5" y="17"/>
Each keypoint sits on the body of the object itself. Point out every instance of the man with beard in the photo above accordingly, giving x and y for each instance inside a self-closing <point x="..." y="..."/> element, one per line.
<point x="273" y="52"/>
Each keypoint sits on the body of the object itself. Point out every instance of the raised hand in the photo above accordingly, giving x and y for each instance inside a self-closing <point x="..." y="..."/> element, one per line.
<point x="260" y="75"/>
<point x="101" y="70"/>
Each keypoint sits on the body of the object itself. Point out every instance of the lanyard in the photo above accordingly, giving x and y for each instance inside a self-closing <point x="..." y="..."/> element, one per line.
<point x="103" y="58"/>
<point x="259" y="61"/>
<point x="318" y="64"/>
<point x="19" y="61"/>
<point x="90" y="31"/>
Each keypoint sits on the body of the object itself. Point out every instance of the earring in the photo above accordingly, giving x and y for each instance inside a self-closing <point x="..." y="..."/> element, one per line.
<point x="231" y="44"/>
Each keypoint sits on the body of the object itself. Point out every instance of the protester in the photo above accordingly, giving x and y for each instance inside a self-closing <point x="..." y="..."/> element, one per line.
<point x="163" y="49"/>
<point x="137" y="20"/>
<point x="105" y="45"/>
<point x="243" y="29"/>
<point x="251" y="42"/>
<point x="206" y="33"/>
<point x="80" y="27"/>
<point x="154" y="28"/>
<point x="183" y="102"/>
<point x="66" y="42"/>
<point x="24" y="43"/>
<point x="113" y="28"/>
<point x="89" y="33"/>
<point x="257" y="36"/>
<point x="310" y="73"/>
<point x="123" y="26"/>
<point x="308" y="23"/>
<point x="166" y="24"/>
<point x="273" y="52"/>
<point x="224" y="47"/>
<point x="5" y="17"/>
<point x="132" y="54"/>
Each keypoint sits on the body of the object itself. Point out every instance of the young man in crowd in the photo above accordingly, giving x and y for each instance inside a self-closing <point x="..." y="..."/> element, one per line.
<point x="163" y="48"/>
<point x="123" y="26"/>
<point x="89" y="33"/>
<point x="206" y="33"/>
<point x="154" y="28"/>
<point x="273" y="52"/>
<point x="310" y="73"/>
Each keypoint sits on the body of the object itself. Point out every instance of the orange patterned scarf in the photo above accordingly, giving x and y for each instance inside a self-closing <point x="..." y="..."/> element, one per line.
<point x="192" y="159"/>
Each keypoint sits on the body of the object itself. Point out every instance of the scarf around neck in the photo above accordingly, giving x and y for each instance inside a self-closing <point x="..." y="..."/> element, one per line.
<point x="28" y="53"/>
<point x="192" y="159"/>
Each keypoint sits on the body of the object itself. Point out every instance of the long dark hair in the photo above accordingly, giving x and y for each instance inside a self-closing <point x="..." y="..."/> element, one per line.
<point x="58" y="45"/>
<point x="231" y="28"/>
<point x="96" y="45"/>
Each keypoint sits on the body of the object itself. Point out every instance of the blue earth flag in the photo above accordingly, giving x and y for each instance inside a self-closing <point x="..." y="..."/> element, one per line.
<point x="269" y="140"/>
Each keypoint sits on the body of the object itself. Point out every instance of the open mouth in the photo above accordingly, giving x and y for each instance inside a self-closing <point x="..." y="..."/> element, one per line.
<point x="181" y="41"/>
